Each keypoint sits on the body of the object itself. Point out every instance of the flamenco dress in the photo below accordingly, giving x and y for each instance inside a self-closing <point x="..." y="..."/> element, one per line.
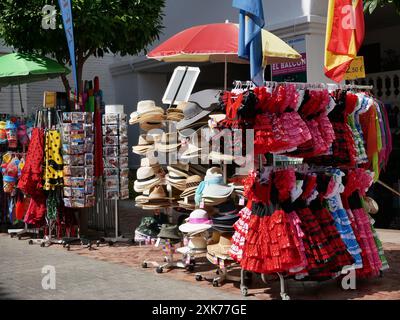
<point x="270" y="244"/>
<point x="343" y="151"/>
<point x="342" y="221"/>
<point x="31" y="180"/>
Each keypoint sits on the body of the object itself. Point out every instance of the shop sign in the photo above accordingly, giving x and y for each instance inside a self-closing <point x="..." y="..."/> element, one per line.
<point x="295" y="71"/>
<point x="290" y="67"/>
<point x="356" y="69"/>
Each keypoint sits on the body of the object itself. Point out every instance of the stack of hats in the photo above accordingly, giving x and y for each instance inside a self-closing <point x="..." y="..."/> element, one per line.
<point x="192" y="182"/>
<point x="177" y="175"/>
<point x="147" y="176"/>
<point x="156" y="199"/>
<point x="145" y="145"/>
<point x="221" y="249"/>
<point x="228" y="215"/>
<point x="176" y="114"/>
<point x="197" y="244"/>
<point x="213" y="191"/>
<point x="148" y="115"/>
<point x="167" y="143"/>
<point x="197" y="110"/>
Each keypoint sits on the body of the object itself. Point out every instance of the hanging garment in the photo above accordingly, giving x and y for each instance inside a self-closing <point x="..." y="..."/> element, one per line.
<point x="30" y="181"/>
<point x="36" y="213"/>
<point x="53" y="161"/>
<point x="239" y="237"/>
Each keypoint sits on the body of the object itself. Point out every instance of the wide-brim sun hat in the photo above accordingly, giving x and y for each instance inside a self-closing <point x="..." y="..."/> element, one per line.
<point x="166" y="144"/>
<point x="169" y="232"/>
<point x="200" y="105"/>
<point x="213" y="201"/>
<point x="217" y="191"/>
<point x="197" y="221"/>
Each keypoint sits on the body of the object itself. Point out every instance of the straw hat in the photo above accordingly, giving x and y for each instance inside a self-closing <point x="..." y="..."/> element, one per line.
<point x="197" y="221"/>
<point x="158" y="194"/>
<point x="146" y="111"/>
<point x="143" y="145"/>
<point x="221" y="249"/>
<point x="167" y="143"/>
<point x="190" y="205"/>
<point x="196" y="243"/>
<point x="200" y="105"/>
<point x="151" y="125"/>
<point x="176" y="180"/>
<point x="192" y="183"/>
<point x="146" y="178"/>
<point x="191" y="152"/>
<point x="371" y="205"/>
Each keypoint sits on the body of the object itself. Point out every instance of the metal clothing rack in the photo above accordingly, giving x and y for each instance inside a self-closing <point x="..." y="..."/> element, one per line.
<point x="169" y="262"/>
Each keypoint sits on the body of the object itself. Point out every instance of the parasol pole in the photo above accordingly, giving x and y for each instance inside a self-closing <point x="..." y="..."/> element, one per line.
<point x="226" y="75"/>
<point x="20" y="99"/>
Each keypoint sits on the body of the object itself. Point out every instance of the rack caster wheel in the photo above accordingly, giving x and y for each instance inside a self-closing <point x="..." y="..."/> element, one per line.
<point x="199" y="277"/>
<point x="285" y="296"/>
<point x="144" y="265"/>
<point x="97" y="243"/>
<point x="68" y="247"/>
<point x="159" y="270"/>
<point x="165" y="259"/>
<point x="244" y="291"/>
<point x="42" y="245"/>
<point x="110" y="243"/>
<point x="19" y="237"/>
<point x="12" y="235"/>
<point x="102" y="240"/>
<point x="215" y="283"/>
<point x="30" y="242"/>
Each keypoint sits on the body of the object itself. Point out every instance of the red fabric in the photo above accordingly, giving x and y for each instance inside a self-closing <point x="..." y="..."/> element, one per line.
<point x="30" y="181"/>
<point x="271" y="244"/>
<point x="36" y="213"/>
<point x="203" y="39"/>
<point x="341" y="35"/>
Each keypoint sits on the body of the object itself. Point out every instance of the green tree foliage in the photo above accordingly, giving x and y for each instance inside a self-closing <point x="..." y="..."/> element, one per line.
<point x="100" y="26"/>
<point x="371" y="5"/>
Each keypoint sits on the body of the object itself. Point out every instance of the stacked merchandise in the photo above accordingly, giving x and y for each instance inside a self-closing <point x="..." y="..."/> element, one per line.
<point x="78" y="156"/>
<point x="312" y="220"/>
<point x="312" y="223"/>
<point x="15" y="133"/>
<point x="115" y="153"/>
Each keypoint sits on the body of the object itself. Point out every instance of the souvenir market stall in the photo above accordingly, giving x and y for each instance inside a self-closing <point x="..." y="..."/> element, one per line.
<point x="308" y="219"/>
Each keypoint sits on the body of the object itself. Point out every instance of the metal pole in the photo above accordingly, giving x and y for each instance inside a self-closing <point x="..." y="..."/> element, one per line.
<point x="116" y="219"/>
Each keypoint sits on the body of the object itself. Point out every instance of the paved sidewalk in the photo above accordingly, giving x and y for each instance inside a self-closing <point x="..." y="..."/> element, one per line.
<point x="79" y="277"/>
<point x="115" y="273"/>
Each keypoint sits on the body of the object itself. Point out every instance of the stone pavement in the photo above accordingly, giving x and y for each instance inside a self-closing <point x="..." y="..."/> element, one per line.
<point x="79" y="277"/>
<point x="115" y="273"/>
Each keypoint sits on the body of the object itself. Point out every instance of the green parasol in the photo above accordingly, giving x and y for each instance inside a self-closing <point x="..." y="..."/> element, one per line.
<point x="20" y="68"/>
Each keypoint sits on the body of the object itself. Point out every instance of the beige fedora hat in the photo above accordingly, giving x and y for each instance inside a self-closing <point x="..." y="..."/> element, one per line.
<point x="168" y="142"/>
<point x="143" y="145"/>
<point x="146" y="111"/>
<point x="192" y="183"/>
<point x="158" y="194"/>
<point x="146" y="178"/>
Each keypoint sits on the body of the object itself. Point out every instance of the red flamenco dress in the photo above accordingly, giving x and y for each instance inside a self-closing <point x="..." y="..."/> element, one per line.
<point x="343" y="151"/>
<point x="278" y="128"/>
<point x="271" y="243"/>
<point x="31" y="180"/>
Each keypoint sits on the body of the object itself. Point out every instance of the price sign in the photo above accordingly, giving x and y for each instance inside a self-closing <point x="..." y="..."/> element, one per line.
<point x="356" y="69"/>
